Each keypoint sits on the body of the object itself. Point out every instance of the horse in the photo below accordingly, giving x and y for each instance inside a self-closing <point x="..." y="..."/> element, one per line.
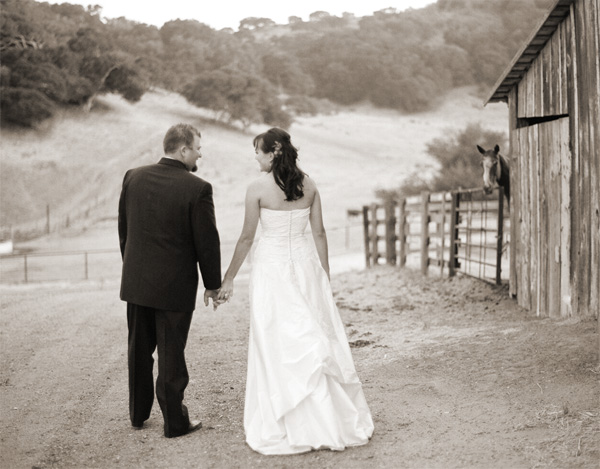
<point x="496" y="171"/>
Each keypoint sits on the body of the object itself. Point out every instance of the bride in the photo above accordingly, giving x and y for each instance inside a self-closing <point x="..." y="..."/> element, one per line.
<point x="302" y="390"/>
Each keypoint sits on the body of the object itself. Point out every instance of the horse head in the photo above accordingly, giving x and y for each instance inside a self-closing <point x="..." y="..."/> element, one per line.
<point x="492" y="168"/>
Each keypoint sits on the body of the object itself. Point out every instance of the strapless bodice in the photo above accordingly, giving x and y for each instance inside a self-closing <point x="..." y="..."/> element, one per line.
<point x="283" y="223"/>
<point x="283" y="235"/>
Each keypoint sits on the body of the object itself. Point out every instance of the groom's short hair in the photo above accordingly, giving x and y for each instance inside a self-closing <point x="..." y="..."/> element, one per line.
<point x="179" y="134"/>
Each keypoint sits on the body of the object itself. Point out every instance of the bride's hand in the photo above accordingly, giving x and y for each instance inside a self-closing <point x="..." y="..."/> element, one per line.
<point x="226" y="290"/>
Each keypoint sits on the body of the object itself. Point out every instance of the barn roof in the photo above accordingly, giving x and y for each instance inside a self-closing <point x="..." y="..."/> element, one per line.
<point x="527" y="54"/>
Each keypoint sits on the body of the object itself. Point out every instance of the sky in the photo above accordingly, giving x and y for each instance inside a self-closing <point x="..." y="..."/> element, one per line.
<point x="228" y="13"/>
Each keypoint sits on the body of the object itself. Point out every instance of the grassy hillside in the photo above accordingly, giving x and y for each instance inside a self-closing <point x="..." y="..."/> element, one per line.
<point x="80" y="158"/>
<point x="77" y="162"/>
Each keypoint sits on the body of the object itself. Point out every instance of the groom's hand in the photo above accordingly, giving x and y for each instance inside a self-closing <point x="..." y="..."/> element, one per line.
<point x="214" y="294"/>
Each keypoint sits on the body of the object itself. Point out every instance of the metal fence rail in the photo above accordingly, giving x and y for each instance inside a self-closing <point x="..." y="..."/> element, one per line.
<point x="64" y="265"/>
<point x="456" y="232"/>
<point x="479" y="234"/>
<point x="101" y="264"/>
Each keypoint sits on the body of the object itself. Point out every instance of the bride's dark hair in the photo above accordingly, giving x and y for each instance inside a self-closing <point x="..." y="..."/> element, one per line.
<point x="288" y="176"/>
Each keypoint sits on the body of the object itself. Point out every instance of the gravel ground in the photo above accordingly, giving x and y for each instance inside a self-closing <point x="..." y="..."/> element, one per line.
<point x="455" y="373"/>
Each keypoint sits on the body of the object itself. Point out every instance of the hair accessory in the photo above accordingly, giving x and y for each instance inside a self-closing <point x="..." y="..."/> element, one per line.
<point x="277" y="148"/>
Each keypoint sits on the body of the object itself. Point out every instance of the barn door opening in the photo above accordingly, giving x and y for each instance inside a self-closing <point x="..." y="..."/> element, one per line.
<point x="543" y="231"/>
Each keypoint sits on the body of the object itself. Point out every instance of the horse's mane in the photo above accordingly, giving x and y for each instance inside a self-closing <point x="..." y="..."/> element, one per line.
<point x="504" y="161"/>
<point x="504" y="164"/>
<point x="504" y="180"/>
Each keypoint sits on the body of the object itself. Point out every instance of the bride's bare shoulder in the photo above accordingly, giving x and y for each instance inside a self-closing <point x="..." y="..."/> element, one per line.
<point x="309" y="184"/>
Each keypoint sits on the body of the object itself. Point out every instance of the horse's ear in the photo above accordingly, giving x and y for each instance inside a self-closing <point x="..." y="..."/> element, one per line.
<point x="497" y="149"/>
<point x="481" y="150"/>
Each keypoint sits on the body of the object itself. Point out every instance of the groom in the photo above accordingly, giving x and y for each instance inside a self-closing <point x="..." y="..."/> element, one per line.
<point x="167" y="229"/>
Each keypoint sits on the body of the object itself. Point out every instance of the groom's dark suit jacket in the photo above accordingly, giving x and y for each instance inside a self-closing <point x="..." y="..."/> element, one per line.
<point x="167" y="229"/>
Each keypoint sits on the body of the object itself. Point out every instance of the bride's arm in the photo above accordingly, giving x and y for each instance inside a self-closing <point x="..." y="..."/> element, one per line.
<point x="252" y="213"/>
<point x="318" y="232"/>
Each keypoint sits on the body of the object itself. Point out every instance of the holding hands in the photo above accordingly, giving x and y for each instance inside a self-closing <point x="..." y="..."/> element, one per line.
<point x="220" y="296"/>
<point x="226" y="290"/>
<point x="214" y="295"/>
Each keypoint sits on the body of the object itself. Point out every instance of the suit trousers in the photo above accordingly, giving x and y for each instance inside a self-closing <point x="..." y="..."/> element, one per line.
<point x="149" y="329"/>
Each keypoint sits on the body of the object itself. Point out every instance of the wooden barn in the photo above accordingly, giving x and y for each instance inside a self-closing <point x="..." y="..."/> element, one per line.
<point x="552" y="88"/>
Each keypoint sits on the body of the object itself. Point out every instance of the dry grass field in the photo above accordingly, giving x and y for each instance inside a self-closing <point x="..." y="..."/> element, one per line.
<point x="79" y="159"/>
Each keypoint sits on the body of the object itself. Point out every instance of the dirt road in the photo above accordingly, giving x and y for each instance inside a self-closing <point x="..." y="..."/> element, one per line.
<point x="456" y="375"/>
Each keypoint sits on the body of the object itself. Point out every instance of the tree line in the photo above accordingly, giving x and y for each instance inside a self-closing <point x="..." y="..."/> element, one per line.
<point x="66" y="55"/>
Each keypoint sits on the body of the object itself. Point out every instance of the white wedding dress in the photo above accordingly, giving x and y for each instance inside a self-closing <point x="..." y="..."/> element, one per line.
<point x="302" y="390"/>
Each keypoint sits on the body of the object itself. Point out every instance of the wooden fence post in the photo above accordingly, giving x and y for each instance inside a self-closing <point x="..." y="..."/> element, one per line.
<point x="402" y="232"/>
<point x="47" y="218"/>
<point x="25" y="267"/>
<point x="453" y="248"/>
<point x="347" y="235"/>
<point x="374" y="237"/>
<point x="500" y="235"/>
<point x="390" y="232"/>
<point x="441" y="233"/>
<point x="425" y="233"/>
<point x="366" y="235"/>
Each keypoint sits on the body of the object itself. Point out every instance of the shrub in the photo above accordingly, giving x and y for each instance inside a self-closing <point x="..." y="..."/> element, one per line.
<point x="4" y="76"/>
<point x="238" y="95"/>
<point x="44" y="77"/>
<point x="79" y="90"/>
<point x="126" y="82"/>
<point x="274" y="115"/>
<point x="458" y="159"/>
<point x="24" y="107"/>
<point x="302" y="105"/>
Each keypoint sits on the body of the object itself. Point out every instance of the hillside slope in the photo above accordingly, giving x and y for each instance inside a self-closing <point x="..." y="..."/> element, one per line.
<point x="77" y="163"/>
<point x="78" y="160"/>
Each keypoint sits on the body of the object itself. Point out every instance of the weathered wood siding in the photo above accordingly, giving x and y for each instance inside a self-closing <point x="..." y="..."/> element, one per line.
<point x="555" y="172"/>
<point x="543" y="90"/>
<point x="515" y="190"/>
<point x="544" y="225"/>
<point x="585" y="131"/>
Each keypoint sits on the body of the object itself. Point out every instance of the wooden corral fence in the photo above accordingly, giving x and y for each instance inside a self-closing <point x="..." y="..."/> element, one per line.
<point x="455" y="232"/>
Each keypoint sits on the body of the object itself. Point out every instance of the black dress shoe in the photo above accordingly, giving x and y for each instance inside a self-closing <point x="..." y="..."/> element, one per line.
<point x="137" y="426"/>
<point x="194" y="425"/>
